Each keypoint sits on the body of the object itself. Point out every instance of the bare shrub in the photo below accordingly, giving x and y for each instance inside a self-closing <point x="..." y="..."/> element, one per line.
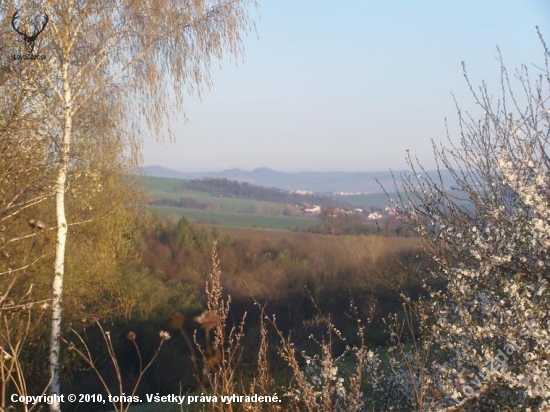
<point x="122" y="397"/>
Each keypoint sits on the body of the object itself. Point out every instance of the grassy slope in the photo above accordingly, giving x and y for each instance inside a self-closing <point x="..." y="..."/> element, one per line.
<point x="233" y="212"/>
<point x="235" y="219"/>
<point x="159" y="187"/>
<point x="237" y="212"/>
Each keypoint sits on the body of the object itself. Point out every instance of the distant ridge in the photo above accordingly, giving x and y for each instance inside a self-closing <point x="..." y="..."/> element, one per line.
<point x="316" y="182"/>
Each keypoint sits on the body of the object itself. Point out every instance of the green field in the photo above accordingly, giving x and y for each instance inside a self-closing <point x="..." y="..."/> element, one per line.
<point x="235" y="219"/>
<point x="167" y="188"/>
<point x="225" y="211"/>
<point x="162" y="184"/>
<point x="238" y="212"/>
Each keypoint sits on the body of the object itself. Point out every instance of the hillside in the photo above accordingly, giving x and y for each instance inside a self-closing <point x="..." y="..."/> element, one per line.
<point x="239" y="204"/>
<point x="172" y="198"/>
<point x="233" y="188"/>
<point x="316" y="182"/>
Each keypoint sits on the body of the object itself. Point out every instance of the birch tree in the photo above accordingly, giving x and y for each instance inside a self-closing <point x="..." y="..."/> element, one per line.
<point x="25" y="191"/>
<point x="97" y="191"/>
<point x="141" y="57"/>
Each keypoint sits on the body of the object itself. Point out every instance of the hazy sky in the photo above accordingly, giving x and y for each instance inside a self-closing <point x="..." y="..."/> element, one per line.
<point x="350" y="85"/>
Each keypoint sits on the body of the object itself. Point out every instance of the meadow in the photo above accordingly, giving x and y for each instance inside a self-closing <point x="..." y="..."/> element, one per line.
<point x="236" y="219"/>
<point x="238" y="211"/>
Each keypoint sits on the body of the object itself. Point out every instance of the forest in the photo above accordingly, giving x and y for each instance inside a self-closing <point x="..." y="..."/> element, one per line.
<point x="441" y="307"/>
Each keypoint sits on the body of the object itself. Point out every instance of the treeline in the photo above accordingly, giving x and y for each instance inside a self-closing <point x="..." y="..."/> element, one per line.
<point x="280" y="269"/>
<point x="297" y="275"/>
<point x="232" y="188"/>
<point x="185" y="202"/>
<point x="339" y="222"/>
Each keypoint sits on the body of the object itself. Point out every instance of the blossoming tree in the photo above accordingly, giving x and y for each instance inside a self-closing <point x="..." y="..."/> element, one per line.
<point x="484" y="340"/>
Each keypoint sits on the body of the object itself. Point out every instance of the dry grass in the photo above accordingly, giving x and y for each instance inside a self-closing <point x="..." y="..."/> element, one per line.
<point x="322" y="381"/>
<point x="122" y="397"/>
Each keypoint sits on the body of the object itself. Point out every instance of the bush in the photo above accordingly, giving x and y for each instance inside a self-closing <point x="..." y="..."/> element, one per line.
<point x="489" y="326"/>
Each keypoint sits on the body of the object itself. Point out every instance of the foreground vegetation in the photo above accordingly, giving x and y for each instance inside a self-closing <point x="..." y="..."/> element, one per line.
<point x="454" y="318"/>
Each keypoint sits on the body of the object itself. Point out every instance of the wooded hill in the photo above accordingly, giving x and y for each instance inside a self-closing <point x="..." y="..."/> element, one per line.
<point x="232" y="188"/>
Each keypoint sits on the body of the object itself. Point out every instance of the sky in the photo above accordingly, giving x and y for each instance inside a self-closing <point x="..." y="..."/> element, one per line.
<point x="350" y="85"/>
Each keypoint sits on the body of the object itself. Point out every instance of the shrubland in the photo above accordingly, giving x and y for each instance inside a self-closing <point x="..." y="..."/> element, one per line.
<point x="475" y="336"/>
<point x="456" y="318"/>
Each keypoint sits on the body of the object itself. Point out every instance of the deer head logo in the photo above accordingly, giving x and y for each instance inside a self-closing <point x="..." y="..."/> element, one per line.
<point x="29" y="39"/>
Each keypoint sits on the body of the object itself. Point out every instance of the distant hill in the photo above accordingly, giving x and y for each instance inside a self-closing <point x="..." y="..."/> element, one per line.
<point x="316" y="182"/>
<point x="232" y="188"/>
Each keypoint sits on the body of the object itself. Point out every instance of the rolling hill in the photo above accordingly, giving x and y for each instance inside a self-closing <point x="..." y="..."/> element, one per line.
<point x="316" y="182"/>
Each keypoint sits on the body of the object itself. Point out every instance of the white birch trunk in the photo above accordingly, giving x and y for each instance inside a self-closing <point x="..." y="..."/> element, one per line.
<point x="62" y="229"/>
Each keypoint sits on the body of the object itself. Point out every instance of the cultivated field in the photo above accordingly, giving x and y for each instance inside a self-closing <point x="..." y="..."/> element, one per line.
<point x="238" y="212"/>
